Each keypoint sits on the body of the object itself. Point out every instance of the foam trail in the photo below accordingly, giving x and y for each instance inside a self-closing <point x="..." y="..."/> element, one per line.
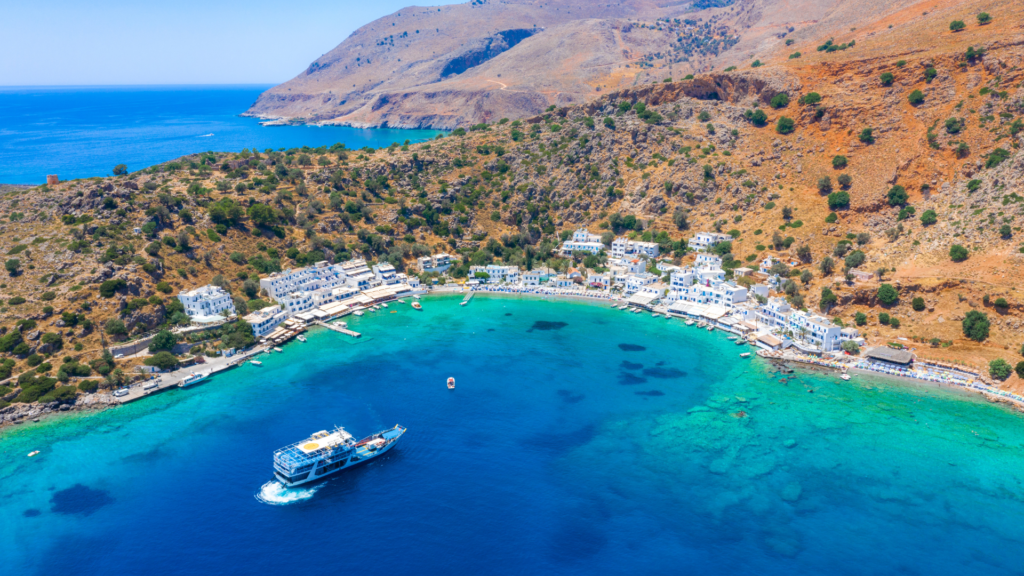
<point x="206" y="135"/>
<point x="275" y="493"/>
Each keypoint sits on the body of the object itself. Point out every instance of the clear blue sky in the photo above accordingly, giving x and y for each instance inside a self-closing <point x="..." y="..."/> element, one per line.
<point x="64" y="42"/>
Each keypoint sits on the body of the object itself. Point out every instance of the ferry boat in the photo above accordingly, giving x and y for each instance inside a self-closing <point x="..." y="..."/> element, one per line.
<point x="325" y="453"/>
<point x="192" y="379"/>
<point x="416" y="306"/>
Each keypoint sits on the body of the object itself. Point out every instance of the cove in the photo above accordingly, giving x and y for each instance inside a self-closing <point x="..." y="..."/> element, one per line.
<point x="540" y="461"/>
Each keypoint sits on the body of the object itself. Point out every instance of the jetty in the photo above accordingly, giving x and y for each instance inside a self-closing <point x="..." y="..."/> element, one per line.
<point x="171" y="379"/>
<point x="338" y="329"/>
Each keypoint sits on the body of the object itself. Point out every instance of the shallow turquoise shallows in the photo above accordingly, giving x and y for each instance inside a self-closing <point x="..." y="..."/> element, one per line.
<point x="578" y="440"/>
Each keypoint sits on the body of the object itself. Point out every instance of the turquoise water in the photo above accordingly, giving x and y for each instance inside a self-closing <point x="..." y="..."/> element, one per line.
<point x="579" y="440"/>
<point x="82" y="131"/>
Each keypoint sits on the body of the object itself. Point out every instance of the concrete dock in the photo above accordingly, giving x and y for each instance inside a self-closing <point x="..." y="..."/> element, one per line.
<point x="468" y="298"/>
<point x="172" y="379"/>
<point x="338" y="329"/>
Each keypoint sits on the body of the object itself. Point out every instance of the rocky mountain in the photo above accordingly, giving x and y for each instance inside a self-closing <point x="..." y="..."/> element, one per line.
<point x="463" y="64"/>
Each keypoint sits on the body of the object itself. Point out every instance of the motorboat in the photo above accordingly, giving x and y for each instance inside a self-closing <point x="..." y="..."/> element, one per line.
<point x="383" y="305"/>
<point x="276" y="349"/>
<point x="33" y="453"/>
<point x="451" y="383"/>
<point x="417" y="306"/>
<point x="255" y="362"/>
<point x="300" y="338"/>
<point x="745" y="355"/>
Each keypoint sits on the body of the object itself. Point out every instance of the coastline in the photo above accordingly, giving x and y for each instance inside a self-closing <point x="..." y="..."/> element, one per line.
<point x="102" y="401"/>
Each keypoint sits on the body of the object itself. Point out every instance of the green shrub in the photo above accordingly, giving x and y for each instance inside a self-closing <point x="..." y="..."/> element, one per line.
<point x="958" y="253"/>
<point x="785" y="125"/>
<point x="839" y="162"/>
<point x="887" y="294"/>
<point x="810" y="98"/>
<point x="88" y="385"/>
<point x="997" y="157"/>
<point x="163" y="360"/>
<point x="164" y="340"/>
<point x="984" y="18"/>
<point x="16" y="301"/>
<point x="164" y="287"/>
<point x="883" y="318"/>
<point x="999" y="369"/>
<point x="894" y="322"/>
<point x="831" y="218"/>
<point x="916" y="97"/>
<point x="887" y="78"/>
<point x="975" y="325"/>
<point x="860" y="318"/>
<point x="48" y="296"/>
<point x="780" y="100"/>
<point x="957" y="25"/>
<point x="917" y="303"/>
<point x="929" y="217"/>
<point x="838" y="200"/>
<point x="108" y="287"/>
<point x="897" y="196"/>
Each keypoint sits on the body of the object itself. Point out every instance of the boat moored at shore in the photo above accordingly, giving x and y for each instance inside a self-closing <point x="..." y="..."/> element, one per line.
<point x="192" y="379"/>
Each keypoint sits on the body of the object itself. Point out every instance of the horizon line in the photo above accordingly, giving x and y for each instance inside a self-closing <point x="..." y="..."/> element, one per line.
<point x="8" y="86"/>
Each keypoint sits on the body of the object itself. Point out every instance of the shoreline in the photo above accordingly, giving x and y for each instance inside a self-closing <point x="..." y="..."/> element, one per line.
<point x="102" y="401"/>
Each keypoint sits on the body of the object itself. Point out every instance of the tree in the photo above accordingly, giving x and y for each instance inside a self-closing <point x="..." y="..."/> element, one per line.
<point x="780" y="100"/>
<point x="854" y="259"/>
<point x="850" y="347"/>
<point x="756" y="117"/>
<point x="957" y="25"/>
<point x="828" y="299"/>
<point x="887" y="294"/>
<point x="785" y="125"/>
<point x="13" y="266"/>
<point x="866" y="136"/>
<point x="163" y="341"/>
<point x="958" y="253"/>
<point x="262" y="215"/>
<point x="916" y="97"/>
<point x="679" y="219"/>
<point x="108" y="287"/>
<point x="917" y="303"/>
<point x="1019" y="369"/>
<point x="810" y="98"/>
<point x="824" y="184"/>
<point x="838" y="200"/>
<point x="120" y="170"/>
<point x="984" y="18"/>
<point x="860" y="318"/>
<point x="887" y="78"/>
<point x="827" y="266"/>
<point x="115" y="327"/>
<point x="804" y="253"/>
<point x="897" y="196"/>
<point x="839" y="162"/>
<point x="999" y="369"/>
<point x="976" y="325"/>
<point x="806" y="276"/>
<point x="163" y="360"/>
<point x="929" y="217"/>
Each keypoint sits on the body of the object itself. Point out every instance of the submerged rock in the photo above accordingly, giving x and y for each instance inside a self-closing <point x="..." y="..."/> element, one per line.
<point x="789" y="443"/>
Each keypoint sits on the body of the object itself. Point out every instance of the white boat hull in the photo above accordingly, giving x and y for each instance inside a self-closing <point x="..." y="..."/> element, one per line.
<point x="363" y="456"/>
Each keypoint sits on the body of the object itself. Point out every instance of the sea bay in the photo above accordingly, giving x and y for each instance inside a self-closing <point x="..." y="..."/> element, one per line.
<point x="579" y="440"/>
<point x="84" y="131"/>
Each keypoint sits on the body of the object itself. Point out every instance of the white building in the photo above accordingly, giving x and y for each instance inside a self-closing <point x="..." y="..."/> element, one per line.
<point x="386" y="274"/>
<point x="316" y="277"/>
<point x="816" y="330"/>
<point x="775" y="314"/>
<point x="436" y="263"/>
<point x="497" y="273"/>
<point x="537" y="276"/>
<point x="207" y="301"/>
<point x="265" y="319"/>
<point x="582" y="241"/>
<point x="623" y="247"/>
<point x="705" y="240"/>
<point x="766" y="265"/>
<point x="635" y="282"/>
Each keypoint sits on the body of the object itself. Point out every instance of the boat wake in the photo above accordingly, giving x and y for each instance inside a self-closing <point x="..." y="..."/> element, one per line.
<point x="276" y="494"/>
<point x="206" y="135"/>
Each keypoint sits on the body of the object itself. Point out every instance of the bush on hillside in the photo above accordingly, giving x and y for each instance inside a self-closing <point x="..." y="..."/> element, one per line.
<point x="976" y="325"/>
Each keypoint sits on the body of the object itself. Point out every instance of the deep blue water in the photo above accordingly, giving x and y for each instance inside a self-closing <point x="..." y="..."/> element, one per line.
<point x="80" y="132"/>
<point x="611" y="444"/>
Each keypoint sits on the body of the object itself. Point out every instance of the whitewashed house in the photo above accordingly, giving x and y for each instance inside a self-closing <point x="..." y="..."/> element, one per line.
<point x="623" y="247"/>
<point x="582" y="241"/>
<point x="703" y="241"/>
<point x="207" y="301"/>
<point x="265" y="319"/>
<point x="436" y="263"/>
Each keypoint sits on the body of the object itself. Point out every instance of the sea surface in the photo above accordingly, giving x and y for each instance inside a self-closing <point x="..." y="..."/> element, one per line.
<point x="81" y="132"/>
<point x="578" y="440"/>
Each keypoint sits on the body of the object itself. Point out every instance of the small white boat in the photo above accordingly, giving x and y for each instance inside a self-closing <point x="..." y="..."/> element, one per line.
<point x="637" y="311"/>
<point x="374" y="308"/>
<point x="192" y="379"/>
<point x="33" y="453"/>
<point x="654" y="315"/>
<point x="731" y="338"/>
<point x="623" y="307"/>
<point x="451" y="383"/>
<point x="415" y="297"/>
<point x="358" y="313"/>
<point x="416" y="306"/>
<point x="711" y="328"/>
<point x="400" y="301"/>
<point x="689" y="322"/>
<point x="276" y="349"/>
<point x="255" y="362"/>
<point x="300" y="338"/>
<point x="383" y="305"/>
<point x="745" y="355"/>
<point x="463" y="303"/>
<point x="844" y="376"/>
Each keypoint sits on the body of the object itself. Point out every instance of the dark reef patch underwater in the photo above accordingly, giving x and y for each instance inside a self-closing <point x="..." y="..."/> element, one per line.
<point x="544" y="325"/>
<point x="79" y="499"/>
<point x="632" y="348"/>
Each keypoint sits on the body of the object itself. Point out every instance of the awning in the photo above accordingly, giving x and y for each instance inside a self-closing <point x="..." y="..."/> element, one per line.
<point x="714" y="312"/>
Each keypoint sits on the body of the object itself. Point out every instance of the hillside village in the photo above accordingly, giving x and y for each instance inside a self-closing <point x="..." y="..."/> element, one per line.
<point x="871" y="197"/>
